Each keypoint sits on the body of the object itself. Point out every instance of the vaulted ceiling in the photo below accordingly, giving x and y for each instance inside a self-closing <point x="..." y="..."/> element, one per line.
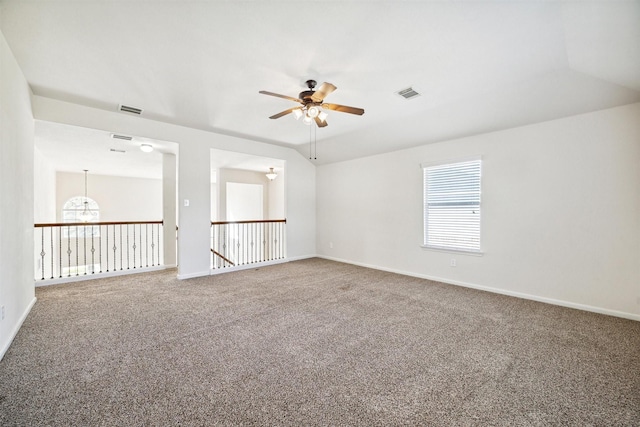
<point x="479" y="66"/>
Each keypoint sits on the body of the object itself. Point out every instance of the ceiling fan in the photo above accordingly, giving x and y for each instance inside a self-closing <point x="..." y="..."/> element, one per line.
<point x="313" y="105"/>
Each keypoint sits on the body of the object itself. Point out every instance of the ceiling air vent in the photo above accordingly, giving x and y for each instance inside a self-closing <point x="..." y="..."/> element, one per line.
<point x="123" y="137"/>
<point x="128" y="109"/>
<point x="115" y="150"/>
<point x="408" y="93"/>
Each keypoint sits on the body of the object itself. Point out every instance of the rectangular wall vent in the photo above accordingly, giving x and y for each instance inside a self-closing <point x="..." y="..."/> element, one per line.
<point x="408" y="93"/>
<point x="129" y="109"/>
<point x="123" y="137"/>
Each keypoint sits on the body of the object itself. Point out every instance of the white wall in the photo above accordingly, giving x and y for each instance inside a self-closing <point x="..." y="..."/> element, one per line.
<point x="194" y="186"/>
<point x="194" y="177"/>
<point x="169" y="208"/>
<point x="245" y="202"/>
<point x="273" y="196"/>
<point x="44" y="189"/>
<point x="276" y="200"/>
<point x="119" y="198"/>
<point x="214" y="202"/>
<point x="17" y="294"/>
<point x="241" y="177"/>
<point x="560" y="212"/>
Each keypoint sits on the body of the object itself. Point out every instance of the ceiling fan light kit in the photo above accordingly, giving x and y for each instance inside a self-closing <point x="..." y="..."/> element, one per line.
<point x="313" y="111"/>
<point x="310" y="114"/>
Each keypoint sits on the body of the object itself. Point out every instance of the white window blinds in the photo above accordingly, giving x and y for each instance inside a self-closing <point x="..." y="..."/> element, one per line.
<point x="452" y="205"/>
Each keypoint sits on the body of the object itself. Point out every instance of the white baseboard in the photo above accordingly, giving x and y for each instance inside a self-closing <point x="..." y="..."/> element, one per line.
<point x="192" y="275"/>
<point x="301" y="257"/>
<point x="94" y="276"/>
<point x="215" y="271"/>
<point x="16" y="328"/>
<point x="569" y="304"/>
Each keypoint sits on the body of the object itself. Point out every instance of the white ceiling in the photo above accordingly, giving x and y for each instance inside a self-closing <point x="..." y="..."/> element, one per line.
<point x="221" y="159"/>
<point x="480" y="66"/>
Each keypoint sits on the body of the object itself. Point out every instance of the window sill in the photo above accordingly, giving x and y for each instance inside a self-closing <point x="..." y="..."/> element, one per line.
<point x="452" y="250"/>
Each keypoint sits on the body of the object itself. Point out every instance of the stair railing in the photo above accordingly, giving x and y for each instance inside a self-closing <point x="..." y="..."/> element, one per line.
<point x="86" y="248"/>
<point x="238" y="243"/>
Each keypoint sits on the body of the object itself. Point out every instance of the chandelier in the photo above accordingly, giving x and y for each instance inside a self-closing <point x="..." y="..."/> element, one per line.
<point x="86" y="215"/>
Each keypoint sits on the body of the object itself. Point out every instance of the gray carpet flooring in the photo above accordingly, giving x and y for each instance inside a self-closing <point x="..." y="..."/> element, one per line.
<point x="313" y="342"/>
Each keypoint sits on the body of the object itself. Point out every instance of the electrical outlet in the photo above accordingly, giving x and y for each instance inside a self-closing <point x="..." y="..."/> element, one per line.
<point x="330" y="245"/>
<point x="638" y="301"/>
<point x="453" y="262"/>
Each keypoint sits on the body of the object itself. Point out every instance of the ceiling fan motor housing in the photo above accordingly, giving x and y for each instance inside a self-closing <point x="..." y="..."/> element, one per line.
<point x="306" y="95"/>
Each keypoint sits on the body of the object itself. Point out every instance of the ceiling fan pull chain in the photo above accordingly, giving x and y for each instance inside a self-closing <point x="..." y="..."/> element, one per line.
<point x="309" y="142"/>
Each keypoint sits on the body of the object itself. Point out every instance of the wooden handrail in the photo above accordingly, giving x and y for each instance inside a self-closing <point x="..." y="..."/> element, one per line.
<point x="87" y="224"/>
<point x="222" y="256"/>
<point x="257" y="221"/>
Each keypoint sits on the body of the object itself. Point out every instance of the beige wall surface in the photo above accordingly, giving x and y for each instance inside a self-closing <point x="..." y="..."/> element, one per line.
<point x="119" y="198"/>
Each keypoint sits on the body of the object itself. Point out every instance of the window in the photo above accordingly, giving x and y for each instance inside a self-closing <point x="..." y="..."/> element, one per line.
<point x="452" y="205"/>
<point x="71" y="213"/>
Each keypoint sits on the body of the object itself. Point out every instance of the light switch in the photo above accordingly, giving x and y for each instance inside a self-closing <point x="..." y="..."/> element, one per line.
<point x="186" y="202"/>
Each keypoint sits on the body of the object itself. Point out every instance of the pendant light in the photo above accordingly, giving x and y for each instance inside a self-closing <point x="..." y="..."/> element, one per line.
<point x="271" y="175"/>
<point x="85" y="215"/>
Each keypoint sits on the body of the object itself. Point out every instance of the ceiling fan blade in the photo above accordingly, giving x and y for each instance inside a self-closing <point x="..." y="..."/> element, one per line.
<point x="320" y="123"/>
<point x="264" y="92"/>
<point x="344" y="109"/>
<point x="324" y="90"/>
<point x="284" y="113"/>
